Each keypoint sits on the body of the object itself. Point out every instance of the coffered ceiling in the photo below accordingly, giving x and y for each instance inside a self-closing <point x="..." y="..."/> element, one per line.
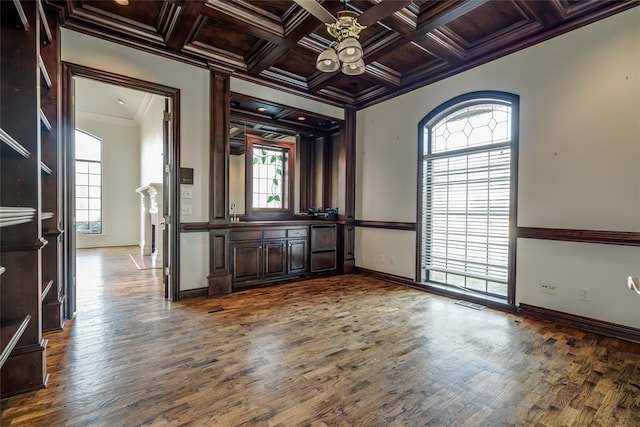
<point x="276" y="42"/>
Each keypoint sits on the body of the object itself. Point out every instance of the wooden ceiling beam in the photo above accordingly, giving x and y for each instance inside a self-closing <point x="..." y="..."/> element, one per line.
<point x="297" y="28"/>
<point x="182" y="27"/>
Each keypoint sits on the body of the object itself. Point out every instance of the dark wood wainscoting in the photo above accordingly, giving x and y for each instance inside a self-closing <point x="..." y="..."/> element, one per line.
<point x="387" y="225"/>
<point x="583" y="236"/>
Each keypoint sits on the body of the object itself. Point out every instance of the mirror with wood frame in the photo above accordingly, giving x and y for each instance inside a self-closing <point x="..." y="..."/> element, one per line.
<point x="280" y="165"/>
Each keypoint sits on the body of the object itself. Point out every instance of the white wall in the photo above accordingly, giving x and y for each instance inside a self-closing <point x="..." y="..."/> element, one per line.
<point x="578" y="164"/>
<point x="151" y="149"/>
<point x="121" y="169"/>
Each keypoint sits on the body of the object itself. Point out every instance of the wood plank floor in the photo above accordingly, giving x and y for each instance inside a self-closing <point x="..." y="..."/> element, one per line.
<point x="346" y="350"/>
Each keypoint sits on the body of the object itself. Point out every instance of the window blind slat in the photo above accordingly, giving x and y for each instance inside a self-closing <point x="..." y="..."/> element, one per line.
<point x="466" y="198"/>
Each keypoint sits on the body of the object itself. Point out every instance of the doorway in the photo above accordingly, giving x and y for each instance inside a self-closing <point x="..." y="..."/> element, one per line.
<point x="126" y="121"/>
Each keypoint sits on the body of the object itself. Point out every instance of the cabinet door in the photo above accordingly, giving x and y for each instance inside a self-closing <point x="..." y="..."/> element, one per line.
<point x="274" y="258"/>
<point x="297" y="257"/>
<point x="323" y="237"/>
<point x="247" y="261"/>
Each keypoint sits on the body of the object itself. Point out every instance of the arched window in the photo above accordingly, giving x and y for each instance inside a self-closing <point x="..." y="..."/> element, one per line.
<point x="88" y="183"/>
<point x="467" y="207"/>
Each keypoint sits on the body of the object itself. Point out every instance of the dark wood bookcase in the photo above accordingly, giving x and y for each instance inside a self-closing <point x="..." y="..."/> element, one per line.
<point x="30" y="248"/>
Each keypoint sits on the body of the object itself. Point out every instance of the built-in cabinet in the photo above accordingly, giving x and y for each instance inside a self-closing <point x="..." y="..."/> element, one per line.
<point x="29" y="195"/>
<point x="266" y="253"/>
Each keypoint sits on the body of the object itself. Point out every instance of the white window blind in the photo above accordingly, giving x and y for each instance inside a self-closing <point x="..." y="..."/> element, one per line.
<point x="466" y="198"/>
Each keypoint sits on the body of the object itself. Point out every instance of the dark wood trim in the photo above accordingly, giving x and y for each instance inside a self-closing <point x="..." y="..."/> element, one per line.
<point x="194" y="227"/>
<point x="193" y="293"/>
<point x="513" y="196"/>
<point x="305" y="150"/>
<point x="387" y="225"/>
<point x="69" y="72"/>
<point x="625" y="238"/>
<point x="585" y="323"/>
<point x="503" y="306"/>
<point x="219" y="104"/>
<point x="349" y="136"/>
<point x="327" y="162"/>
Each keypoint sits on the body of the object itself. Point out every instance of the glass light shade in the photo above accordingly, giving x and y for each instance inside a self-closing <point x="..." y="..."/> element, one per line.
<point x="327" y="61"/>
<point x="349" y="50"/>
<point x="353" y="68"/>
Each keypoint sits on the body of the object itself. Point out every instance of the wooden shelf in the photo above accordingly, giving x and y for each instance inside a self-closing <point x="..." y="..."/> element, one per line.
<point x="20" y="16"/>
<point x="45" y="122"/>
<point x="15" y="215"/>
<point x="46" y="169"/>
<point x="8" y="141"/>
<point x="46" y="215"/>
<point x="9" y="336"/>
<point x="45" y="34"/>
<point x="46" y="290"/>
<point x="44" y="73"/>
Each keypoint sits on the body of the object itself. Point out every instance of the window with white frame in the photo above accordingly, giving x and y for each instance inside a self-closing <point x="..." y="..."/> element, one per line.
<point x="468" y="146"/>
<point x="88" y="162"/>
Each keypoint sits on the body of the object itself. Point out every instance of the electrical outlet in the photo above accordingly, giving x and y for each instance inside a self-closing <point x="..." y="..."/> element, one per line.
<point x="585" y="294"/>
<point x="381" y="259"/>
<point x="548" y="288"/>
<point x="185" y="209"/>
<point x="186" y="192"/>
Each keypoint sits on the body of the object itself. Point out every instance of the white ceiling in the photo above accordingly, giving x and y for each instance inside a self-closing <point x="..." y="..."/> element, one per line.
<point x="102" y="99"/>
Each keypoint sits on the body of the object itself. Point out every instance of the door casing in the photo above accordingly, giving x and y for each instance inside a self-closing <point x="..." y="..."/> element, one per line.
<point x="69" y="72"/>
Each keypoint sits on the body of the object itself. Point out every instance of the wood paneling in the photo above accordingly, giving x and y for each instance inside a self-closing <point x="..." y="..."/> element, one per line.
<point x="219" y="147"/>
<point x="276" y="43"/>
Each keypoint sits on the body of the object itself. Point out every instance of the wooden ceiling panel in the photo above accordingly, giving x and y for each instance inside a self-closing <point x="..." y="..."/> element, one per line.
<point x="218" y="34"/>
<point x="350" y="85"/>
<point x="274" y="7"/>
<point x="147" y="16"/>
<point x="407" y="58"/>
<point x="487" y="21"/>
<point x="276" y="42"/>
<point x="299" y="62"/>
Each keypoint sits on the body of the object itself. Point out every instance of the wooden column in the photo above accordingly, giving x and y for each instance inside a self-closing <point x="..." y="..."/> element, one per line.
<point x="219" y="277"/>
<point x="347" y="162"/>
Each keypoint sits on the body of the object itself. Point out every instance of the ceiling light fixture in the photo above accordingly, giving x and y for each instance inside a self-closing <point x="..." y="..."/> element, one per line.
<point x="302" y="118"/>
<point x="122" y="2"/>
<point x="262" y="109"/>
<point x="346" y="51"/>
<point x="120" y="101"/>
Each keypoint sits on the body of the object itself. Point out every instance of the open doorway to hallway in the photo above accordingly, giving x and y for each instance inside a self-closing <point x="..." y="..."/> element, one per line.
<point x="119" y="158"/>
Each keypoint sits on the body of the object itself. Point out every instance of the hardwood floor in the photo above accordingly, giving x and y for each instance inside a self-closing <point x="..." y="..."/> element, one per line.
<point x="336" y="351"/>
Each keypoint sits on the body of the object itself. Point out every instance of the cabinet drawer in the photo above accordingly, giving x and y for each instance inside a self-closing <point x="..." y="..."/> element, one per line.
<point x="275" y="234"/>
<point x="246" y="235"/>
<point x="323" y="237"/>
<point x="297" y="232"/>
<point x="322" y="261"/>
